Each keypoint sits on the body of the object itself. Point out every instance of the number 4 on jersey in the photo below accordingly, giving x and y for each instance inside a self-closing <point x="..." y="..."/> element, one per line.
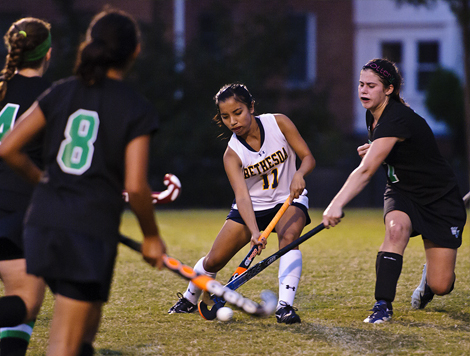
<point x="76" y="150"/>
<point x="7" y="118"/>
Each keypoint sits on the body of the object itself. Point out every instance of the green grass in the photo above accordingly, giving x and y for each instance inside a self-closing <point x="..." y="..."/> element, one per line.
<point x="335" y="293"/>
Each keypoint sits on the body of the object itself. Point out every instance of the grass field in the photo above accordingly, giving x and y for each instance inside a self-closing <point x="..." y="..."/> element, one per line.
<point x="335" y="293"/>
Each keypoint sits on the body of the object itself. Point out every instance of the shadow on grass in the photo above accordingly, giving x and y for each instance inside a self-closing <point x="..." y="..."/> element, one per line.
<point x="461" y="316"/>
<point x="108" y="352"/>
<point x="360" y="341"/>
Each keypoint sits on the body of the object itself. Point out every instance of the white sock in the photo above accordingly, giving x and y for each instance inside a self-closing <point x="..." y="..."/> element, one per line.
<point x="290" y="269"/>
<point x="192" y="292"/>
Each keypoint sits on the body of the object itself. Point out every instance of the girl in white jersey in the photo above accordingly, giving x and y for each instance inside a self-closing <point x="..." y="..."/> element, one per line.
<point x="260" y="165"/>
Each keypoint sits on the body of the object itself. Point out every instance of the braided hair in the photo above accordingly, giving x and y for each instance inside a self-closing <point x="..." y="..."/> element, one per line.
<point x="22" y="39"/>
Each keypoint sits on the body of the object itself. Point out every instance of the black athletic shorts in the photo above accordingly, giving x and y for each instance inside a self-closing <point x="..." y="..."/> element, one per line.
<point x="11" y="235"/>
<point x="87" y="292"/>
<point x="441" y="222"/>
<point x="74" y="264"/>
<point x="264" y="217"/>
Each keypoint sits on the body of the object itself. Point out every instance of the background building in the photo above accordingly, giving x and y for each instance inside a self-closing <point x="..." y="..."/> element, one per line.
<point x="298" y="57"/>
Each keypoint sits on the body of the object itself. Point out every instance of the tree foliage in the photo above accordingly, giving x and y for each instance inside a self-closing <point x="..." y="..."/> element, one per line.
<point x="253" y="48"/>
<point x="445" y="101"/>
<point x="461" y="10"/>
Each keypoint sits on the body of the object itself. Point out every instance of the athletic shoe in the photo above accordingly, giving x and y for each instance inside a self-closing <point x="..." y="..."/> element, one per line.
<point x="380" y="314"/>
<point x="182" y="306"/>
<point x="422" y="294"/>
<point x="286" y="314"/>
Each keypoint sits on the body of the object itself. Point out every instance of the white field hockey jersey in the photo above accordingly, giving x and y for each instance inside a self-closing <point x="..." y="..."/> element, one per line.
<point x="269" y="171"/>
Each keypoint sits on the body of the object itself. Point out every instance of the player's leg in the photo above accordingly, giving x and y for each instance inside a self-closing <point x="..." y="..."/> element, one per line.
<point x="92" y="329"/>
<point x="289" y="229"/>
<point x="442" y="229"/>
<point x="19" y="307"/>
<point x="72" y="320"/>
<point x="230" y="239"/>
<point x="438" y="274"/>
<point x="389" y="263"/>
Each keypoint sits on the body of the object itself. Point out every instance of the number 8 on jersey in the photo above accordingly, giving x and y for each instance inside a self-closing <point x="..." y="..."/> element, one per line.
<point x="76" y="150"/>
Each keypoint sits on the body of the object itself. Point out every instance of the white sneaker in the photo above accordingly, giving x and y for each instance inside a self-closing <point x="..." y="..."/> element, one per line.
<point x="422" y="294"/>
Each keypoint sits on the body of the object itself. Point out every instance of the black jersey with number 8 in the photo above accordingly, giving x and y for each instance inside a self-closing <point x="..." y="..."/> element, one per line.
<point x="87" y="131"/>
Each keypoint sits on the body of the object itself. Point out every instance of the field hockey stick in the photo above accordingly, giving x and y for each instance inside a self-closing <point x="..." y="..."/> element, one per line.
<point x="255" y="249"/>
<point x="206" y="283"/>
<point x="253" y="271"/>
<point x="246" y="262"/>
<point x="168" y="195"/>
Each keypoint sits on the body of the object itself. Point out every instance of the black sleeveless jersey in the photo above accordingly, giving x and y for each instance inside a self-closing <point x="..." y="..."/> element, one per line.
<point x="415" y="167"/>
<point x="15" y="192"/>
<point x="87" y="131"/>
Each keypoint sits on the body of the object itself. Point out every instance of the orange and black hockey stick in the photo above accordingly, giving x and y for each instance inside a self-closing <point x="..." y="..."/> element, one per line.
<point x="206" y="283"/>
<point x="254" y="271"/>
<point x="245" y="264"/>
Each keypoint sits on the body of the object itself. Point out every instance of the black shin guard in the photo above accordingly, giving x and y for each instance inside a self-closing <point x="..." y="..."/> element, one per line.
<point x="388" y="269"/>
<point x="12" y="311"/>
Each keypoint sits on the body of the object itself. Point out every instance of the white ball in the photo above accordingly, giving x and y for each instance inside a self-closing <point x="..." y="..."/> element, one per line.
<point x="224" y="314"/>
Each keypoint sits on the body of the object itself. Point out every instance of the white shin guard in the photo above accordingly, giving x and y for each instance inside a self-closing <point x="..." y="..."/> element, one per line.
<point x="192" y="292"/>
<point x="290" y="269"/>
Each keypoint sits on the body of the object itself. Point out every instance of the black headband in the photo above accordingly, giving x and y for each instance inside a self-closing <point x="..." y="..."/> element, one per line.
<point x="382" y="68"/>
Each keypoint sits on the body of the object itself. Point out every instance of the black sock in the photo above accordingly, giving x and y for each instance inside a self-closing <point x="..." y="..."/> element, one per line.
<point x="13" y="346"/>
<point x="12" y="311"/>
<point x="388" y="269"/>
<point x="86" y="350"/>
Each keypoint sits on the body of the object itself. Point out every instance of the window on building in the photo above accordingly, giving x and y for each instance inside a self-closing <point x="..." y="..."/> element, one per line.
<point x="428" y="62"/>
<point x="302" y="64"/>
<point x="393" y="51"/>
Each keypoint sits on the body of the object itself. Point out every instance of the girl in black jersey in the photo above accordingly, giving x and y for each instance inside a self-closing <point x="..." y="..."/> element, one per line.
<point x="97" y="131"/>
<point x="421" y="197"/>
<point x="28" y="41"/>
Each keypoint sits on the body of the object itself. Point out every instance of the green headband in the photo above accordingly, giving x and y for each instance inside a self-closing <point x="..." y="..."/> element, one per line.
<point x="39" y="52"/>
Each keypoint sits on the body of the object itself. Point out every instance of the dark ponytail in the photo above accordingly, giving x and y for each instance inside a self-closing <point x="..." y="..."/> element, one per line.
<point x="111" y="40"/>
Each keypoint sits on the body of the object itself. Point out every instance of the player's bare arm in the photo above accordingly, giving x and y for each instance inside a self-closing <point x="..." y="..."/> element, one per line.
<point x="140" y="200"/>
<point x="233" y="169"/>
<point x="11" y="149"/>
<point x="358" y="179"/>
